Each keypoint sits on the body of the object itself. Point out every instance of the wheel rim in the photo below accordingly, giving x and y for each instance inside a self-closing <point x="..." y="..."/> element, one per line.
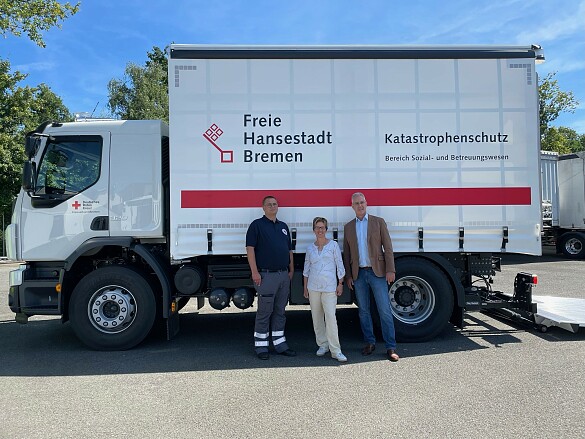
<point x="112" y="309"/>
<point x="573" y="246"/>
<point x="412" y="299"/>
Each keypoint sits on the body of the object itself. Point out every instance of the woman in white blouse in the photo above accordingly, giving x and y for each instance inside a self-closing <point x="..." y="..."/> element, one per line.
<point x="323" y="281"/>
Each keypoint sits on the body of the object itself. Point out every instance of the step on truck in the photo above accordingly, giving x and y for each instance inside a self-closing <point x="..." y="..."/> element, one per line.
<point x="120" y="223"/>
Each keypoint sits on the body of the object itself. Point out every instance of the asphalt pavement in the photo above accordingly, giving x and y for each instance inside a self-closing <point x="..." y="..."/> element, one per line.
<point x="492" y="379"/>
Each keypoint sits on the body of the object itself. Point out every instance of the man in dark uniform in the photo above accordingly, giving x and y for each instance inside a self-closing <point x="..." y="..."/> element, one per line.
<point x="270" y="256"/>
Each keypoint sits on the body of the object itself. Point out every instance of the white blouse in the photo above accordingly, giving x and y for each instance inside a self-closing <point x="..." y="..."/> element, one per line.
<point x="323" y="268"/>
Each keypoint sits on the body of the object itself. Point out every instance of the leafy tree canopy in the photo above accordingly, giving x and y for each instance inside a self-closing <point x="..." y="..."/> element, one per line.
<point x="22" y="109"/>
<point x="32" y="17"/>
<point x="143" y="91"/>
<point x="553" y="101"/>
<point x="562" y="140"/>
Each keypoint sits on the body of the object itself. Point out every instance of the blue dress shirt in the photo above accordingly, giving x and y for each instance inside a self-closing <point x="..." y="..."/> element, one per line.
<point x="361" y="228"/>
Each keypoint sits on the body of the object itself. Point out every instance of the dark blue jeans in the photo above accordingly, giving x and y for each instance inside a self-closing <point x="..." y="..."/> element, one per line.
<point x="366" y="280"/>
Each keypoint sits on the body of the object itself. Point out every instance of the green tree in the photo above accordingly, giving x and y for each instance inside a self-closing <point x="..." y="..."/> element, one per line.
<point x="572" y="137"/>
<point x="562" y="140"/>
<point x="32" y="17"/>
<point x="143" y="91"/>
<point x="554" y="140"/>
<point x="22" y="109"/>
<point x="553" y="101"/>
<point x="12" y="112"/>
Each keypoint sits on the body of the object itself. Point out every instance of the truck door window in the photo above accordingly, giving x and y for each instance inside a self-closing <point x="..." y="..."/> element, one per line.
<point x="69" y="165"/>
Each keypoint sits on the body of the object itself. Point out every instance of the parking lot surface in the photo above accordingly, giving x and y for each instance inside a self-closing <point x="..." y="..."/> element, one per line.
<point x="492" y="379"/>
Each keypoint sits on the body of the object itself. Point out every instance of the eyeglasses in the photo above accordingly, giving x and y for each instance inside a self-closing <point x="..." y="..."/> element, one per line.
<point x="320" y="228"/>
<point x="271" y="204"/>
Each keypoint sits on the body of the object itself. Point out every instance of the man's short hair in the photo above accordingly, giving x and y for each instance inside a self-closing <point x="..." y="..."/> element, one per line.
<point x="266" y="198"/>
<point x="357" y="194"/>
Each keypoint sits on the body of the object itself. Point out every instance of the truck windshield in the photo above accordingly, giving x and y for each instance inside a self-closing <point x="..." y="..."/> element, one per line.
<point x="69" y="165"/>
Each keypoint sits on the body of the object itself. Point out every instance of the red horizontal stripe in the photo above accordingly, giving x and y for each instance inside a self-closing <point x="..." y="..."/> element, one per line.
<point x="477" y="196"/>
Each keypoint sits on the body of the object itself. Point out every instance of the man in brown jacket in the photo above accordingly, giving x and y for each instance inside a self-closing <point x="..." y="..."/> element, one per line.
<point x="369" y="263"/>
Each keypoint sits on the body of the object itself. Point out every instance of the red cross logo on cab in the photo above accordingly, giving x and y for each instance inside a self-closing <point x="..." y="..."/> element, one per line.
<point x="76" y="205"/>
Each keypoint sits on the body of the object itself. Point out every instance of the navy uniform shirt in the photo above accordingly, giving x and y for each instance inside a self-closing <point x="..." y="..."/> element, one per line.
<point x="271" y="242"/>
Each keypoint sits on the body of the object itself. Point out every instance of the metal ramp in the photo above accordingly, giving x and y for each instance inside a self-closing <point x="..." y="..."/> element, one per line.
<point x="563" y="312"/>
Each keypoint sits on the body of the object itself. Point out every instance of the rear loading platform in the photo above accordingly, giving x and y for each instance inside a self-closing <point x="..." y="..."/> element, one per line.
<point x="542" y="312"/>
<point x="563" y="312"/>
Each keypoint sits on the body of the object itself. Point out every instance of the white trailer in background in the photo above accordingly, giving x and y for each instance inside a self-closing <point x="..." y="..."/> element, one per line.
<point x="563" y="219"/>
<point x="121" y="221"/>
<point x="563" y="195"/>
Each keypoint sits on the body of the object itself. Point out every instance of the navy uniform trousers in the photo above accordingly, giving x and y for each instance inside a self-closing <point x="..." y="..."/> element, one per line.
<point x="273" y="294"/>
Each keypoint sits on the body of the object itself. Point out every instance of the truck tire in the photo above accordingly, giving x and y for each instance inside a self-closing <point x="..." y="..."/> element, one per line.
<point x="112" y="308"/>
<point x="573" y="245"/>
<point x="421" y="299"/>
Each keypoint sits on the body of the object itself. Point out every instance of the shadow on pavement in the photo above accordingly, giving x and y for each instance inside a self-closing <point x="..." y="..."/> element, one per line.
<point x="216" y="341"/>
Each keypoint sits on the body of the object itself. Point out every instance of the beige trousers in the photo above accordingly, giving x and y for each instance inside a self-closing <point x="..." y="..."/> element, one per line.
<point x="323" y="307"/>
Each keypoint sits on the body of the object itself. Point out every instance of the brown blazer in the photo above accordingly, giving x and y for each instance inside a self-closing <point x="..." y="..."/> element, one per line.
<point x="379" y="248"/>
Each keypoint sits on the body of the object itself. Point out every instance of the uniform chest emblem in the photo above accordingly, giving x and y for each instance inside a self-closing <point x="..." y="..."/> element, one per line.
<point x="284" y="232"/>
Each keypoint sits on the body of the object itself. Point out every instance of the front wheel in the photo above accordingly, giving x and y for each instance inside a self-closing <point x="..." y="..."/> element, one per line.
<point x="112" y="308"/>
<point x="421" y="300"/>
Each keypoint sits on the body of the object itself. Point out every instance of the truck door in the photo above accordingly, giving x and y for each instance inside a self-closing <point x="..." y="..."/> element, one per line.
<point x="69" y="203"/>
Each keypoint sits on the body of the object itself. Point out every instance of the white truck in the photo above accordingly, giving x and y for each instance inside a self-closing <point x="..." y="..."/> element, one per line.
<point x="563" y="198"/>
<point x="121" y="222"/>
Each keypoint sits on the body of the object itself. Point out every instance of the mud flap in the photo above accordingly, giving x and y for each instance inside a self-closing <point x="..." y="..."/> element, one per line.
<point x="172" y="324"/>
<point x="457" y="316"/>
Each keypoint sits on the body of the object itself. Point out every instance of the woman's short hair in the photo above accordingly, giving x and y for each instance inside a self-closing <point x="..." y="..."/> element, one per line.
<point x="319" y="219"/>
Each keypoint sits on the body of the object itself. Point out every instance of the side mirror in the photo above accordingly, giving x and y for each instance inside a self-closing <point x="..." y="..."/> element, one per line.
<point x="31" y="146"/>
<point x="28" y="176"/>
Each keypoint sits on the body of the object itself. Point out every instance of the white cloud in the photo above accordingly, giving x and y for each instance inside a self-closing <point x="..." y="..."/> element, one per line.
<point x="475" y="22"/>
<point x="558" y="26"/>
<point x="40" y="66"/>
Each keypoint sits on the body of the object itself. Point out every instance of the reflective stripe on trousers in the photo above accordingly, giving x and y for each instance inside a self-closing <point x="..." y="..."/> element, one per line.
<point x="273" y="294"/>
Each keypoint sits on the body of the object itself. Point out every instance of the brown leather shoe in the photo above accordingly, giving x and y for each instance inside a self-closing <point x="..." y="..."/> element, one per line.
<point x="368" y="349"/>
<point x="392" y="355"/>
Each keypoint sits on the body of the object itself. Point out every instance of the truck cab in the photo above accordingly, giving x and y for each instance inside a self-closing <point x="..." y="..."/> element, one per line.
<point x="86" y="187"/>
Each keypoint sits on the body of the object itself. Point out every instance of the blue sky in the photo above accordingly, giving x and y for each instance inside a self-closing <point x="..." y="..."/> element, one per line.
<point x="96" y="44"/>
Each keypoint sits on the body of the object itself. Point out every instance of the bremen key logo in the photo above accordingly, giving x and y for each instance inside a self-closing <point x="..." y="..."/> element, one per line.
<point x="211" y="135"/>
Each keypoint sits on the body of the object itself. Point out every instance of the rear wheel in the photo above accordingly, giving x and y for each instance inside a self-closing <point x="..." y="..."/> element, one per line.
<point x="573" y="245"/>
<point x="421" y="299"/>
<point x="112" y="308"/>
